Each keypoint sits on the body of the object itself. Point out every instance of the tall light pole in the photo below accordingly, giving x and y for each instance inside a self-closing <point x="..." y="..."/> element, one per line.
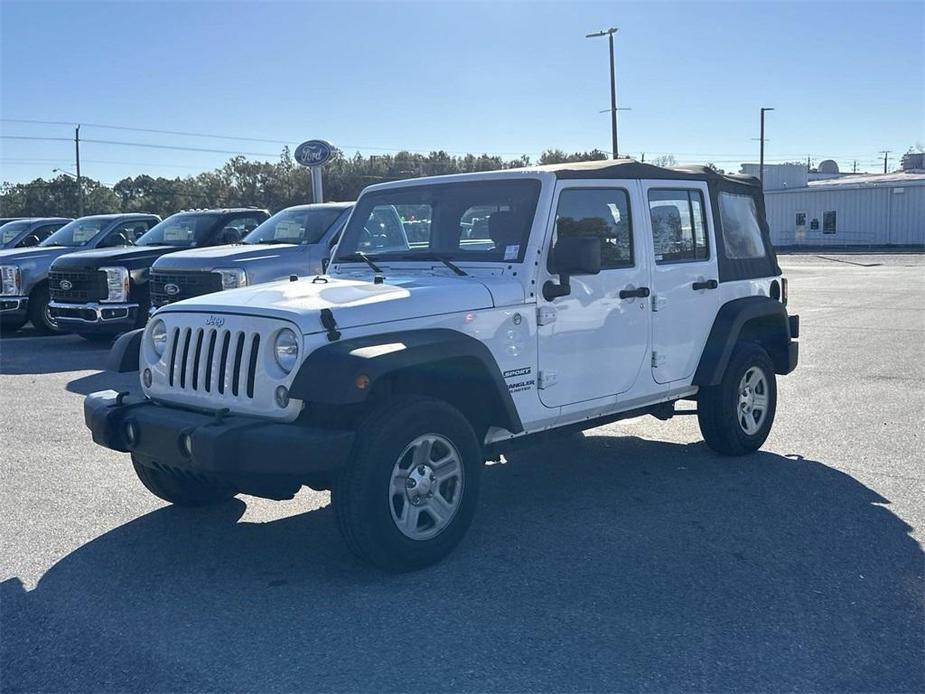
<point x="80" y="188"/>
<point x="613" y="86"/>
<point x="761" y="159"/>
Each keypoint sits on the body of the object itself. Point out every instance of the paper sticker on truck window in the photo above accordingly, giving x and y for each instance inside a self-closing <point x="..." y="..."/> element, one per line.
<point x="85" y="233"/>
<point x="511" y="252"/>
<point x="288" y="230"/>
<point x="178" y="232"/>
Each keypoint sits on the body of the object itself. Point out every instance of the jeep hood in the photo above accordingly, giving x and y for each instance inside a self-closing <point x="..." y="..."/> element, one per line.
<point x="353" y="302"/>
<point x="212" y="257"/>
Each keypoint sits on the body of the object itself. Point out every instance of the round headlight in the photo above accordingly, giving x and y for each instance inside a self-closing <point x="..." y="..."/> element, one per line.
<point x="286" y="349"/>
<point x="159" y="337"/>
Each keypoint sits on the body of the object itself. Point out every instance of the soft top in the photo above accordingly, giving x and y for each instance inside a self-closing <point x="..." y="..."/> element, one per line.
<point x="630" y="168"/>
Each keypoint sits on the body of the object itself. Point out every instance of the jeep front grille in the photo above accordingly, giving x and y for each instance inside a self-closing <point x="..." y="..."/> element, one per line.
<point x="214" y="360"/>
<point x="188" y="284"/>
<point x="81" y="285"/>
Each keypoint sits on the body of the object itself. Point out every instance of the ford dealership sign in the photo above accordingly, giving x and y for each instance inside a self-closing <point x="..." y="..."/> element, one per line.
<point x="314" y="153"/>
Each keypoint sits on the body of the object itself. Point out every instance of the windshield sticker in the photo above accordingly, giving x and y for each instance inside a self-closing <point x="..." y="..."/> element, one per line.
<point x="288" y="230"/>
<point x="8" y="236"/>
<point x="178" y="232"/>
<point x="511" y="252"/>
<point x="84" y="233"/>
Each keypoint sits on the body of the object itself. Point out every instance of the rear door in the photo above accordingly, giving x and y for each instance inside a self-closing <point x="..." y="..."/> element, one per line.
<point x="593" y="342"/>
<point x="684" y="276"/>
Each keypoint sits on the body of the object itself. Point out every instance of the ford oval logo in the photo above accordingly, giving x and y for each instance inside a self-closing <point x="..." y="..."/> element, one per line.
<point x="171" y="289"/>
<point x="314" y="152"/>
<point x="66" y="285"/>
<point x="216" y="321"/>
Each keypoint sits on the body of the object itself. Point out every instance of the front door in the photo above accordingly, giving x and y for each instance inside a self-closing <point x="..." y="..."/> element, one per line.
<point x="684" y="277"/>
<point x="593" y="341"/>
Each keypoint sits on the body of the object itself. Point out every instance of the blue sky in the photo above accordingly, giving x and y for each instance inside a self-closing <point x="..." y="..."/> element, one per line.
<point x="847" y="79"/>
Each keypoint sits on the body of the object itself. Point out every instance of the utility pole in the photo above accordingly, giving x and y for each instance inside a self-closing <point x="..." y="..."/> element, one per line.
<point x="613" y="87"/>
<point x="809" y="163"/>
<point x="886" y="157"/>
<point x="761" y="158"/>
<point x="80" y="188"/>
<point x="854" y="168"/>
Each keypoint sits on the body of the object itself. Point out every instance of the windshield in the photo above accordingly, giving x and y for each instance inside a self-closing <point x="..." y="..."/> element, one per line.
<point x="295" y="225"/>
<point x="11" y="230"/>
<point x="484" y="220"/>
<point x="77" y="233"/>
<point x="185" y="229"/>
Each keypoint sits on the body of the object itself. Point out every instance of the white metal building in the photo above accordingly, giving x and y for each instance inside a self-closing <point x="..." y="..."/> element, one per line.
<point x="845" y="209"/>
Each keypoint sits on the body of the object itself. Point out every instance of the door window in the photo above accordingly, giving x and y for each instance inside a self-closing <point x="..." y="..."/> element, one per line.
<point x="828" y="222"/>
<point x="600" y="212"/>
<point x="679" y="228"/>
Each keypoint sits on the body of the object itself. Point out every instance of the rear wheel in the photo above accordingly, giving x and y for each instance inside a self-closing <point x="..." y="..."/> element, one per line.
<point x="39" y="313"/>
<point x="182" y="489"/>
<point x="736" y="415"/>
<point x="408" y="494"/>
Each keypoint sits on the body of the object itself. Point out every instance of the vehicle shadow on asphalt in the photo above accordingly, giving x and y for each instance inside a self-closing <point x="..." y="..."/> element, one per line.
<point x="36" y="354"/>
<point x="603" y="564"/>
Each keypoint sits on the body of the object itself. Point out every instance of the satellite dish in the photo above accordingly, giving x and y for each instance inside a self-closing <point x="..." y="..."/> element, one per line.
<point x="827" y="166"/>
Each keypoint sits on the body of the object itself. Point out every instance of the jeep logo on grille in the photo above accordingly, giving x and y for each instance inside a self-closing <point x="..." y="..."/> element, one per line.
<point x="171" y="289"/>
<point x="66" y="285"/>
<point x="217" y="321"/>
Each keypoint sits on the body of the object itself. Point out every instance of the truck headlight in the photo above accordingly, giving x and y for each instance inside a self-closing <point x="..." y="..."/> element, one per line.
<point x="117" y="284"/>
<point x="10" y="280"/>
<point x="286" y="349"/>
<point x="159" y="337"/>
<point x="232" y="277"/>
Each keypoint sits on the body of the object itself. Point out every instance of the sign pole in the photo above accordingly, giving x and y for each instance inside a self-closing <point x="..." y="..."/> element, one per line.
<point x="317" y="192"/>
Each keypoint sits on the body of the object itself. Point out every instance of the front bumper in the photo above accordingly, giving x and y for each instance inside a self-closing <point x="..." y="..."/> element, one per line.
<point x="16" y="307"/>
<point x="94" y="316"/>
<point x="257" y="456"/>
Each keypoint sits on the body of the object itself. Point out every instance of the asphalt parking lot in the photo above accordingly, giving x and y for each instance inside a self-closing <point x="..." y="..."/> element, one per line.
<point x="634" y="559"/>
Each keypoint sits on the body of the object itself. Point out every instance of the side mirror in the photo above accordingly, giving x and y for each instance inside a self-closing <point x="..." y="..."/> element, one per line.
<point x="572" y="255"/>
<point x="30" y="240"/>
<point x="231" y="235"/>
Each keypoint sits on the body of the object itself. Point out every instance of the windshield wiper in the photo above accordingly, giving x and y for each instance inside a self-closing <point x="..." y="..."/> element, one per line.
<point x="365" y="258"/>
<point x="434" y="256"/>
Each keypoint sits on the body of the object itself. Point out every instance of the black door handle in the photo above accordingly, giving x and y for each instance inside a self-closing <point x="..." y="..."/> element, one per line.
<point x="640" y="293"/>
<point x="707" y="284"/>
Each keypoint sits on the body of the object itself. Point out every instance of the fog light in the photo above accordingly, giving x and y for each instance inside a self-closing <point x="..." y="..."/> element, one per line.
<point x="186" y="445"/>
<point x="131" y="434"/>
<point x="146" y="378"/>
<point x="361" y="382"/>
<point x="282" y="396"/>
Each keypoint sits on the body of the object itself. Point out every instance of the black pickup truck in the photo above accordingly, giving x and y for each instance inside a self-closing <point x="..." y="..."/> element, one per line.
<point x="99" y="294"/>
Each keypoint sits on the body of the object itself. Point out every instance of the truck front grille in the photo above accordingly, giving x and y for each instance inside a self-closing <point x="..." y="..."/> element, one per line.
<point x="183" y="285"/>
<point x="77" y="285"/>
<point x="213" y="360"/>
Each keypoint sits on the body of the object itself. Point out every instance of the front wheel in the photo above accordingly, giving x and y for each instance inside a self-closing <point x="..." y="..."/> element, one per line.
<point x="182" y="489"/>
<point x="408" y="494"/>
<point x="735" y="416"/>
<point x="40" y="313"/>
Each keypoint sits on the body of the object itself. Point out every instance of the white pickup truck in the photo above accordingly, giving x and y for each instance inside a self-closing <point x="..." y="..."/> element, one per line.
<point x="504" y="307"/>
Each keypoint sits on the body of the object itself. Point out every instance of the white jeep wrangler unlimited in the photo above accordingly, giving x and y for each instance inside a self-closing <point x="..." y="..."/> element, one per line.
<point x="491" y="310"/>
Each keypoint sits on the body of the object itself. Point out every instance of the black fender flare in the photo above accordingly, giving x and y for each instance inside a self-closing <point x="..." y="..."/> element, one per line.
<point x="727" y="329"/>
<point x="125" y="353"/>
<point x="328" y="375"/>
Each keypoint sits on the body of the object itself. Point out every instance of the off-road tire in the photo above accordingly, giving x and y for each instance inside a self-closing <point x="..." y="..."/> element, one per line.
<point x="38" y="312"/>
<point x="182" y="489"/>
<point x="717" y="406"/>
<point x="361" y="492"/>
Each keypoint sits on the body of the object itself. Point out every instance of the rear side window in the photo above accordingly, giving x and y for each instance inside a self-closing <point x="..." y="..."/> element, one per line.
<point x="679" y="228"/>
<point x="741" y="230"/>
<point x="601" y="212"/>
